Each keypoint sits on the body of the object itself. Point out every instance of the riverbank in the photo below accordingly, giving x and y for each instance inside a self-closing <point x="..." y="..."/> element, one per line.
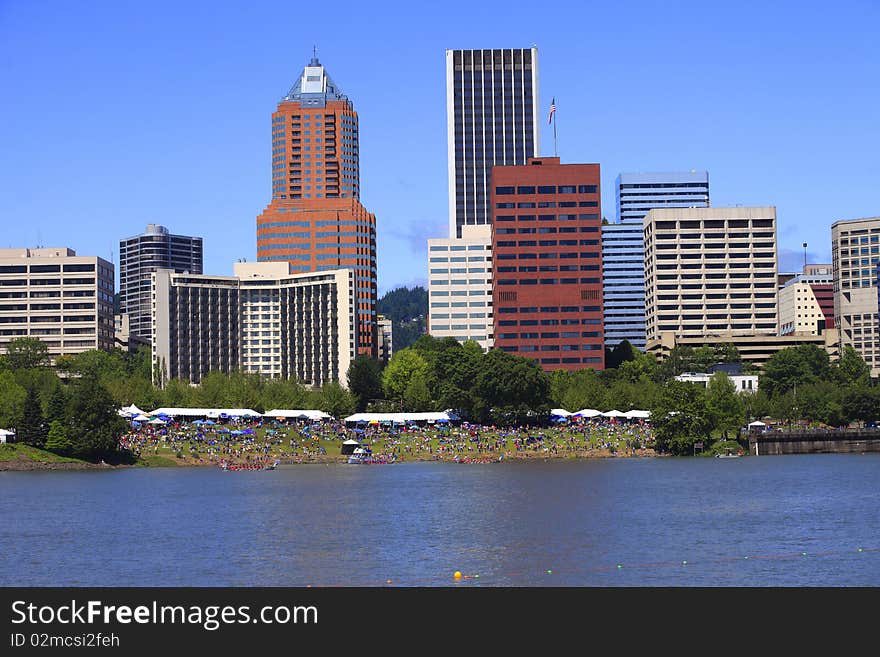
<point x="24" y="458"/>
<point x="21" y="458"/>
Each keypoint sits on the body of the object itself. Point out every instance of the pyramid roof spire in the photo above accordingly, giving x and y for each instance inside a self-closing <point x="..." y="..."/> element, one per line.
<point x="315" y="87"/>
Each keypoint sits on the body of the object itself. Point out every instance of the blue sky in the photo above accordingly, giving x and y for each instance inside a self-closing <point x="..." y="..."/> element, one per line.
<point x="118" y="114"/>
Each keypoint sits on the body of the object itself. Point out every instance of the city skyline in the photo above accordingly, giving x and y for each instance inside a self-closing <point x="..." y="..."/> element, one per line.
<point x="123" y="118"/>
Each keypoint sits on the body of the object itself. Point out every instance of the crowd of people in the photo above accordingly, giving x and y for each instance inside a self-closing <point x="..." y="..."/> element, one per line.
<point x="298" y="441"/>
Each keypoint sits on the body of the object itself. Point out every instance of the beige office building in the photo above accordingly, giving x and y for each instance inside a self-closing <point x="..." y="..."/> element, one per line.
<point x="52" y="294"/>
<point x="806" y="303"/>
<point x="710" y="272"/>
<point x="262" y="320"/>
<point x="460" y="286"/>
<point x="855" y="252"/>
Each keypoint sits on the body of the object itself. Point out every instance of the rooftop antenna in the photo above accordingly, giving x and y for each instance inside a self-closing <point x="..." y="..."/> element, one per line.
<point x="805" y="257"/>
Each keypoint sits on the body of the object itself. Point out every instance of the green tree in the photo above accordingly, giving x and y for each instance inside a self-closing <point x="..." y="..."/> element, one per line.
<point x="58" y="441"/>
<point x="860" y="404"/>
<point x="416" y="398"/>
<point x="851" y="368"/>
<point x="453" y="370"/>
<point x="336" y="400"/>
<point x="402" y="367"/>
<point x="56" y="408"/>
<point x="792" y="367"/>
<point x="26" y="353"/>
<point x="510" y="389"/>
<point x="726" y="409"/>
<point x="12" y="398"/>
<point x="93" y="423"/>
<point x="32" y="427"/>
<point x="621" y="353"/>
<point x="365" y="380"/>
<point x="679" y="417"/>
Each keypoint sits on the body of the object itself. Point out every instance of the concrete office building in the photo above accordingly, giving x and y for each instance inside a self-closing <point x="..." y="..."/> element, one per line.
<point x="52" y="294"/>
<point x="806" y="302"/>
<point x="141" y="255"/>
<point x="492" y="119"/>
<point x="386" y="338"/>
<point x="124" y="339"/>
<point x="637" y="193"/>
<point x="262" y="320"/>
<point x="547" y="276"/>
<point x="315" y="220"/>
<point x="710" y="272"/>
<point x="623" y="245"/>
<point x="460" y="286"/>
<point x="855" y="252"/>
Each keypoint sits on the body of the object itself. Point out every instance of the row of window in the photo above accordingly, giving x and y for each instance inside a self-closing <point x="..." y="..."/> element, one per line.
<point x="546" y="281"/>
<point x="539" y="204"/>
<point x="547" y="189"/>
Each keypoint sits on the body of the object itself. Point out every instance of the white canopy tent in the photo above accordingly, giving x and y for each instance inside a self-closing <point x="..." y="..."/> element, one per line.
<point x="141" y="418"/>
<point x="130" y="411"/>
<point x="636" y="414"/>
<point x="5" y="435"/>
<point x="757" y="423"/>
<point x="560" y="412"/>
<point x="401" y="418"/>
<point x="587" y="412"/>
<point x="613" y="413"/>
<point x="293" y="414"/>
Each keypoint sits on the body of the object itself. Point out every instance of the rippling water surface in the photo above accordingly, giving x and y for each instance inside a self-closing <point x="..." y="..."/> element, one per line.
<point x="735" y="522"/>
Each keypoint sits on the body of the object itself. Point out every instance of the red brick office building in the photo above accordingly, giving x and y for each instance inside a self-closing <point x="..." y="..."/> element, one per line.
<point x="547" y="263"/>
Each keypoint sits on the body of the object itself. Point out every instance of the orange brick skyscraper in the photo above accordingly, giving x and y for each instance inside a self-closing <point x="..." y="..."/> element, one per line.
<point x="315" y="220"/>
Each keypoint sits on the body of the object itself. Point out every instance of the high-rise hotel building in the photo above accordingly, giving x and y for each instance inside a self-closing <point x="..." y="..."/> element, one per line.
<point x="547" y="275"/>
<point x="492" y="119"/>
<point x="315" y="220"/>
<point x="710" y="272"/>
<point x="855" y="253"/>
<point x="141" y="255"/>
<point x="623" y="245"/>
<point x="52" y="294"/>
<point x="262" y="320"/>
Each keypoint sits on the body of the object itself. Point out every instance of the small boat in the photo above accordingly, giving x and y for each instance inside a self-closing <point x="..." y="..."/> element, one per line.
<point x="364" y="455"/>
<point x="729" y="455"/>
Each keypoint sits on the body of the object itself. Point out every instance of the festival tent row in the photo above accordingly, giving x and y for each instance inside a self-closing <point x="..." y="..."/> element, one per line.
<point x="281" y="414"/>
<point x="402" y="418"/>
<point x="203" y="413"/>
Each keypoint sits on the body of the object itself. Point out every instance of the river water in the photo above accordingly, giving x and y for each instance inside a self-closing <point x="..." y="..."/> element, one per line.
<point x="800" y="520"/>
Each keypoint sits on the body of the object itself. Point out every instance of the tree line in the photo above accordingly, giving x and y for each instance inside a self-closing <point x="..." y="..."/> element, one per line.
<point x="71" y="407"/>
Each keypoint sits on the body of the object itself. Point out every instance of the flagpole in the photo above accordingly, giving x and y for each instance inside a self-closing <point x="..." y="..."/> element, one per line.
<point x="555" y="149"/>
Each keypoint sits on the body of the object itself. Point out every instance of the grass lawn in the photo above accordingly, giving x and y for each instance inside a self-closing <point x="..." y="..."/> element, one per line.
<point x="20" y="452"/>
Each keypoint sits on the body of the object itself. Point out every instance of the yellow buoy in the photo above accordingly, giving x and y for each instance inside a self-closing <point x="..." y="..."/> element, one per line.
<point x="457" y="575"/>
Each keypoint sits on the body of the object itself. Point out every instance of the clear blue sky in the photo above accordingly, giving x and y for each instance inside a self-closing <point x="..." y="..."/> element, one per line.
<point x="118" y="114"/>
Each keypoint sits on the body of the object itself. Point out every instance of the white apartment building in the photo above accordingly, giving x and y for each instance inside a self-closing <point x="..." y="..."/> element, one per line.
<point x="460" y="286"/>
<point x="262" y="320"/>
<point x="52" y="294"/>
<point x="855" y="252"/>
<point x="710" y="272"/>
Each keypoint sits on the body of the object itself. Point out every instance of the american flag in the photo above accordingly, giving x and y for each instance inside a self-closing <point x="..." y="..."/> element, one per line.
<point x="552" y="110"/>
